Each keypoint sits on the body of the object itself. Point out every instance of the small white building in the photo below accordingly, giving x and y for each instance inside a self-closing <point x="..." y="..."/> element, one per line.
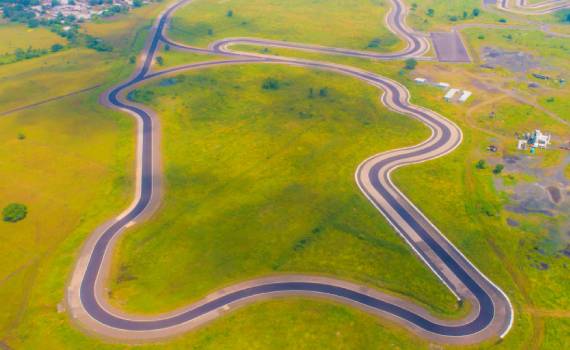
<point x="449" y="95"/>
<point x="442" y="85"/>
<point x="420" y="80"/>
<point x="464" y="96"/>
<point x="535" y="140"/>
<point x="540" y="140"/>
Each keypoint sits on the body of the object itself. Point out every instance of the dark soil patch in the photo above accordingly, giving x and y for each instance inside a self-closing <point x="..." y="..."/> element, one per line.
<point x="513" y="61"/>
<point x="510" y="159"/>
<point x="512" y="222"/>
<point x="555" y="194"/>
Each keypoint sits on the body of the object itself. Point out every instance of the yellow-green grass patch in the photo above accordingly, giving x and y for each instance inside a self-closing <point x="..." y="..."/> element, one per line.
<point x="447" y="14"/>
<point x="70" y="162"/>
<point x="301" y="212"/>
<point x="18" y="36"/>
<point x="557" y="333"/>
<point x="173" y="57"/>
<point x="339" y="23"/>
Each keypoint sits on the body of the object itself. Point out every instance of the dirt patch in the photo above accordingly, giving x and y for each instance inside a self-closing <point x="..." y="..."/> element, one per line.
<point x="512" y="222"/>
<point x="555" y="194"/>
<point x="514" y="61"/>
<point x="531" y="198"/>
<point x="485" y="87"/>
<point x="4" y="346"/>
<point x="511" y="159"/>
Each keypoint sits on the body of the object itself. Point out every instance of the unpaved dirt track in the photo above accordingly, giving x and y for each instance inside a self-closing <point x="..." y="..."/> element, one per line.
<point x="491" y="315"/>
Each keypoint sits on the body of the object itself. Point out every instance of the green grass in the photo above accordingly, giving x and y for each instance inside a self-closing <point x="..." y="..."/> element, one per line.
<point x="447" y="14"/>
<point x="74" y="152"/>
<point x="557" y="334"/>
<point x="173" y="57"/>
<point x="339" y="23"/>
<point x="296" y="156"/>
<point x="17" y="36"/>
<point x="36" y="260"/>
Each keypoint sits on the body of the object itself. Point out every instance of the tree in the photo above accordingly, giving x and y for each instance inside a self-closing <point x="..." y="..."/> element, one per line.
<point x="14" y="212"/>
<point x="498" y="169"/>
<point x="56" y="47"/>
<point x="324" y="92"/>
<point x="160" y="60"/>
<point x="210" y="31"/>
<point x="270" y="84"/>
<point x="33" y="23"/>
<point x="167" y="47"/>
<point x="132" y="59"/>
<point x="476" y="12"/>
<point x="230" y="13"/>
<point x="430" y="12"/>
<point x="374" y="43"/>
<point x="481" y="164"/>
<point x="411" y="64"/>
<point x="137" y="3"/>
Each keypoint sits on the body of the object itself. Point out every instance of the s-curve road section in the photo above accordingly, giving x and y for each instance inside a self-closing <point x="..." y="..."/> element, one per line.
<point x="491" y="315"/>
<point x="522" y="7"/>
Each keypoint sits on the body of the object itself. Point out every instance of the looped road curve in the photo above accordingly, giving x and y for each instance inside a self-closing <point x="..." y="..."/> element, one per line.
<point x="491" y="315"/>
<point x="522" y="7"/>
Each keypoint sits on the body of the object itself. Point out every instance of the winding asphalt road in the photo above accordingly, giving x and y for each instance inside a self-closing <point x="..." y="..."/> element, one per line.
<point x="491" y="313"/>
<point x="522" y="7"/>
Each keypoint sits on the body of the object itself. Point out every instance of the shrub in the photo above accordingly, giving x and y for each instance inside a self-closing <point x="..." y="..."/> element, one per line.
<point x="481" y="164"/>
<point x="97" y="44"/>
<point x="411" y="63"/>
<point x="14" y="212"/>
<point x="476" y="12"/>
<point x="374" y="43"/>
<point x="270" y="84"/>
<point x="56" y="47"/>
<point x="498" y="169"/>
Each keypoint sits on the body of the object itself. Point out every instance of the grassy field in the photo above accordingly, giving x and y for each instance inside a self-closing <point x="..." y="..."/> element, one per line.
<point x="238" y="135"/>
<point x="86" y="151"/>
<point x="16" y="36"/>
<point x="69" y="161"/>
<point x="439" y="15"/>
<point x="356" y="23"/>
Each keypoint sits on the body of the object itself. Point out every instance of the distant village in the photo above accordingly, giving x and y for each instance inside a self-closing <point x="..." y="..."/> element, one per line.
<point x="81" y="9"/>
<point x="34" y="12"/>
